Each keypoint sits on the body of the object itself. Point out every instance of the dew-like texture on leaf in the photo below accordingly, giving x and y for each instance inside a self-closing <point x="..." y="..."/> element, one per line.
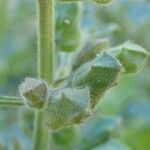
<point x="98" y="74"/>
<point x="66" y="107"/>
<point x="131" y="56"/>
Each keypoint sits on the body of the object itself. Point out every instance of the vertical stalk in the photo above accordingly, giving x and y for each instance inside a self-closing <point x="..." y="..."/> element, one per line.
<point x="45" y="16"/>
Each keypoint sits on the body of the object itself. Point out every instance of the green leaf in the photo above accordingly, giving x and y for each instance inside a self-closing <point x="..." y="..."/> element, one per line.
<point x="64" y="136"/>
<point x="67" y="107"/>
<point x="89" y="51"/>
<point x="99" y="75"/>
<point x="131" y="56"/>
<point x="98" y="131"/>
<point x="68" y="26"/>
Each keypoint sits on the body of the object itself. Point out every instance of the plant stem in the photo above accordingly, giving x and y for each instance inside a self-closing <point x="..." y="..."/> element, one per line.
<point x="46" y="39"/>
<point x="46" y="44"/>
<point x="10" y="101"/>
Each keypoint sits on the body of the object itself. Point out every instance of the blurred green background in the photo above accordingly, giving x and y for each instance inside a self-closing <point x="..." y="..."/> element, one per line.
<point x="122" y="118"/>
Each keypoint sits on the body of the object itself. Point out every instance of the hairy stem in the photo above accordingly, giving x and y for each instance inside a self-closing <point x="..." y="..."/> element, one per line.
<point x="45" y="12"/>
<point x="10" y="101"/>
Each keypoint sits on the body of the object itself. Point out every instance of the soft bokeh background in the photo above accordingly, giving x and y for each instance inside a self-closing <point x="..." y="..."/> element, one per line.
<point x="122" y="118"/>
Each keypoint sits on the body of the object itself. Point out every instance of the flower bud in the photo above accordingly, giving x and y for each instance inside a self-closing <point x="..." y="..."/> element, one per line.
<point x="34" y="92"/>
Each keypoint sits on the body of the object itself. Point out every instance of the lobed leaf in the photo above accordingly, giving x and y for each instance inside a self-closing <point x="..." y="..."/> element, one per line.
<point x="131" y="56"/>
<point x="67" y="107"/>
<point x="99" y="75"/>
<point x="89" y="51"/>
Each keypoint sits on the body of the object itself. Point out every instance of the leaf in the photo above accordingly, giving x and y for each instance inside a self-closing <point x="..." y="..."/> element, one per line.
<point x="89" y="51"/>
<point x="131" y="56"/>
<point x="99" y="75"/>
<point x="112" y="144"/>
<point x="67" y="107"/>
<point x="97" y="131"/>
<point x="64" y="136"/>
<point x="68" y="26"/>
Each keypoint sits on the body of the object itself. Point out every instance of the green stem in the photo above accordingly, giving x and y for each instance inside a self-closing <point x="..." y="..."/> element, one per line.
<point x="45" y="11"/>
<point x="10" y="101"/>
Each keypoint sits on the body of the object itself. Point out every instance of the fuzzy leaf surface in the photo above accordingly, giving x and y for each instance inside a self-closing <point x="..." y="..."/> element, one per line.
<point x="131" y="56"/>
<point x="67" y="107"/>
<point x="99" y="75"/>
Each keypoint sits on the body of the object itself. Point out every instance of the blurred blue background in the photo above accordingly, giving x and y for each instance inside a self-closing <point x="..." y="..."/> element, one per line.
<point x="129" y="101"/>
